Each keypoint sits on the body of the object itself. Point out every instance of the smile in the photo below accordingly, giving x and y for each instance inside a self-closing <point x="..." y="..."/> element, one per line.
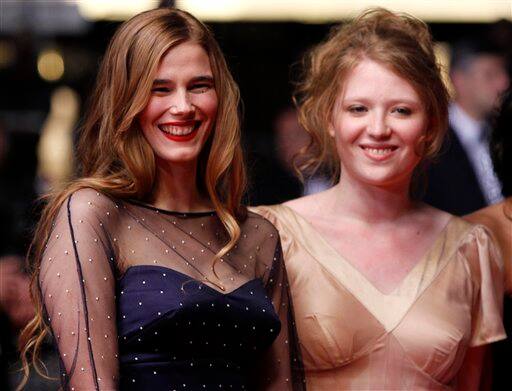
<point x="378" y="153"/>
<point x="180" y="131"/>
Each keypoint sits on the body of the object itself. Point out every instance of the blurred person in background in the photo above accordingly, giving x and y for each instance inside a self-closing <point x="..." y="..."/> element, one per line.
<point x="6" y="346"/>
<point x="14" y="292"/>
<point x="273" y="175"/>
<point x="272" y="178"/>
<point x="290" y="139"/>
<point x="498" y="218"/>
<point x="410" y="295"/>
<point x="17" y="190"/>
<point x="461" y="180"/>
<point x="18" y="214"/>
<point x="147" y="269"/>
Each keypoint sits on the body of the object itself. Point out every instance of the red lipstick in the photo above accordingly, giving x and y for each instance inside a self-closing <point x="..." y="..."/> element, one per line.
<point x="181" y="138"/>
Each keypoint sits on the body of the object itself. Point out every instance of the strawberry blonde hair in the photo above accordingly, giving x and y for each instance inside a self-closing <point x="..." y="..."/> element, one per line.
<point x="398" y="41"/>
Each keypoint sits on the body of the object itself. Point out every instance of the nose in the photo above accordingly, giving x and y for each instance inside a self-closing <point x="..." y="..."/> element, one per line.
<point x="378" y="128"/>
<point x="180" y="104"/>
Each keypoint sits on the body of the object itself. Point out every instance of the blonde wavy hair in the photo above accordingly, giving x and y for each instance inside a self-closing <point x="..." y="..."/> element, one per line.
<point x="116" y="159"/>
<point x="396" y="40"/>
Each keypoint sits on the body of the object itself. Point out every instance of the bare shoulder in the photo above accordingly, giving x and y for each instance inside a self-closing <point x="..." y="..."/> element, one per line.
<point x="435" y="216"/>
<point x="308" y="205"/>
<point x="432" y="221"/>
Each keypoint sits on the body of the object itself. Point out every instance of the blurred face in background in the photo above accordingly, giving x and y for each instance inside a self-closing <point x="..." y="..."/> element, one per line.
<point x="182" y="107"/>
<point x="15" y="299"/>
<point x="377" y="124"/>
<point x="480" y="84"/>
<point x="290" y="138"/>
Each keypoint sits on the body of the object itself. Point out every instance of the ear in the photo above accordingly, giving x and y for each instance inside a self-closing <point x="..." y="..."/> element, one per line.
<point x="330" y="129"/>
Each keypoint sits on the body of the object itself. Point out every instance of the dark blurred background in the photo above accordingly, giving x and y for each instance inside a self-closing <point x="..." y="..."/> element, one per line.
<point x="49" y="55"/>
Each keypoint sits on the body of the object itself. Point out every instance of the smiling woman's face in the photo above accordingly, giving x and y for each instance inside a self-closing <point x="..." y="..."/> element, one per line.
<point x="377" y="123"/>
<point x="182" y="107"/>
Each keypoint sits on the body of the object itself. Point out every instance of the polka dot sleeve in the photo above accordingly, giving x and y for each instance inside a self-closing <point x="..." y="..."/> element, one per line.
<point x="78" y="286"/>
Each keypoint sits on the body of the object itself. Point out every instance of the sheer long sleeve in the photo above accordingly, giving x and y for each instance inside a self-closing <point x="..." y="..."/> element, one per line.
<point x="281" y="366"/>
<point x="283" y="363"/>
<point x="77" y="284"/>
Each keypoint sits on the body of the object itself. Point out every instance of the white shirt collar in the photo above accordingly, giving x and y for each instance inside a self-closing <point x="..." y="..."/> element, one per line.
<point x="468" y="130"/>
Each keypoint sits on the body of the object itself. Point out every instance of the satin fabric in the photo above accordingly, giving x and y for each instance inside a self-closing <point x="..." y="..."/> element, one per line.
<point x="354" y="337"/>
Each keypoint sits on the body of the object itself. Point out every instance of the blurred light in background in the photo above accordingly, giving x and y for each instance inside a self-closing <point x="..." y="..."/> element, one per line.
<point x="7" y="54"/>
<point x="55" y="149"/>
<point x="113" y="9"/>
<point x="321" y="11"/>
<point x="50" y="65"/>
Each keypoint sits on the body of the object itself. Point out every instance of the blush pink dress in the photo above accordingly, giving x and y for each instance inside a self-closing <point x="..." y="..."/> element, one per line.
<point x="354" y="337"/>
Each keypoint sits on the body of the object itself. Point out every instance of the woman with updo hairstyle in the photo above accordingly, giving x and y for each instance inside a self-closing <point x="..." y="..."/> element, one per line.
<point x="148" y="272"/>
<point x="388" y="293"/>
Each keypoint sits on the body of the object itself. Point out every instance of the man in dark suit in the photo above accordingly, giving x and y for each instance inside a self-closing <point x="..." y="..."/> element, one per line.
<point x="462" y="179"/>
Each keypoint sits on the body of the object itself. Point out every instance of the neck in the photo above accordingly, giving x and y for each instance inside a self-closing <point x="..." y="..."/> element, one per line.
<point x="477" y="115"/>
<point x="369" y="203"/>
<point x="176" y="188"/>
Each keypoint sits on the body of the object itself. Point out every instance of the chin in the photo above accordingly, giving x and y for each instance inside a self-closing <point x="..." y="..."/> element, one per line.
<point x="178" y="157"/>
<point x="382" y="179"/>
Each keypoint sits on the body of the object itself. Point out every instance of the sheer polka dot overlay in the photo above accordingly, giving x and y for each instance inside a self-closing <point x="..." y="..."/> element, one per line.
<point x="133" y="298"/>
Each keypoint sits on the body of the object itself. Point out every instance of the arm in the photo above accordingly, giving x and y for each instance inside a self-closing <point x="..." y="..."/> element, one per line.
<point x="486" y="270"/>
<point x="78" y="286"/>
<point x="283" y="363"/>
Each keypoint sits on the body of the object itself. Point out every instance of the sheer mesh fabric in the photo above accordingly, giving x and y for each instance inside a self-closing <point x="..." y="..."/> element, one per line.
<point x="95" y="240"/>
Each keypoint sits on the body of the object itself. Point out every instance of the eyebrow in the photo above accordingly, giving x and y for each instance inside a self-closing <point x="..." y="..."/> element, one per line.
<point x="391" y="101"/>
<point x="204" y="78"/>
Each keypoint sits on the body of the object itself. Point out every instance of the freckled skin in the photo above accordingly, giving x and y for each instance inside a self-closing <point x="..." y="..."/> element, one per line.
<point x="377" y="108"/>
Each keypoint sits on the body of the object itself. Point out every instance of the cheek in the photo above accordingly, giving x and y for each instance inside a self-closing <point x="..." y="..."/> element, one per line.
<point x="153" y="110"/>
<point x="348" y="130"/>
<point x="413" y="138"/>
<point x="419" y="129"/>
<point x="208" y="104"/>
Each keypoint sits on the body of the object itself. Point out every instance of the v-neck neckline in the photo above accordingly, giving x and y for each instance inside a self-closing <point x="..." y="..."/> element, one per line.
<point x="412" y="271"/>
<point x="387" y="308"/>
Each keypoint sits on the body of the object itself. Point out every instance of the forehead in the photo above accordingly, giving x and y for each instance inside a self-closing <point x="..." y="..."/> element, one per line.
<point x="187" y="59"/>
<point x="486" y="61"/>
<point x="372" y="80"/>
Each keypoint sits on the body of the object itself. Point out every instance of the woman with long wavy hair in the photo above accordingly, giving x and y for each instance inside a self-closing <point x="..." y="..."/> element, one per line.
<point x="410" y="295"/>
<point x="147" y="270"/>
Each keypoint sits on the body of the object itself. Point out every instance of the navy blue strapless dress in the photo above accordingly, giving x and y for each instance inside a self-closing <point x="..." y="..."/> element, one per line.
<point x="193" y="337"/>
<point x="137" y="300"/>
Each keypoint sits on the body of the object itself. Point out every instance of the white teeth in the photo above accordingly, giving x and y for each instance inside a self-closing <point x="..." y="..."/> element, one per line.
<point x="177" y="130"/>
<point x="379" y="151"/>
